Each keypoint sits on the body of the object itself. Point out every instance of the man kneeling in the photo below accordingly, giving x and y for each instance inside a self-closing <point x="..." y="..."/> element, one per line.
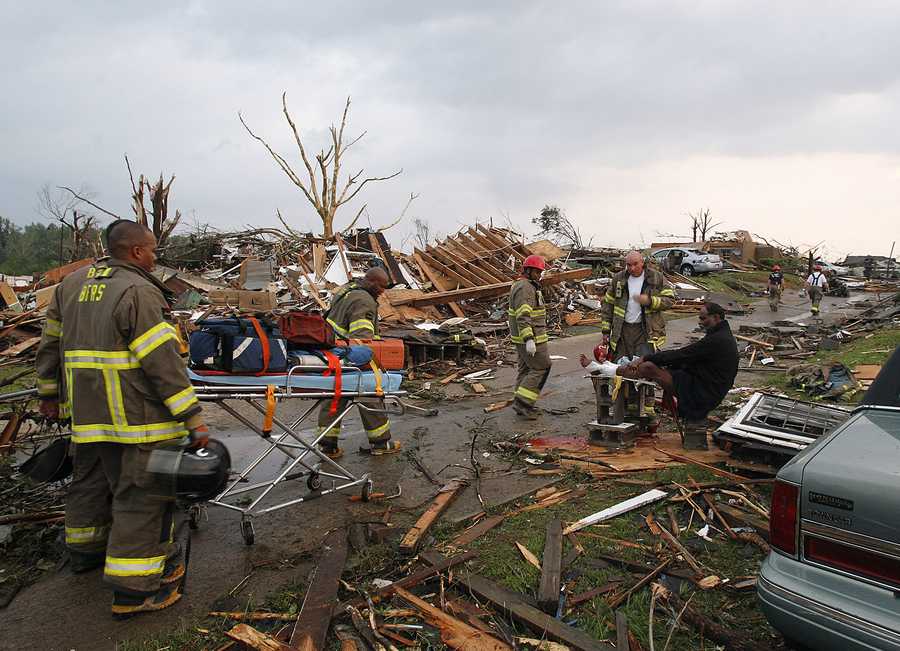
<point x="699" y="375"/>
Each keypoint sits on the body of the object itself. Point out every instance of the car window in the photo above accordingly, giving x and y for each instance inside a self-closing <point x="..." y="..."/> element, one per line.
<point x="660" y="254"/>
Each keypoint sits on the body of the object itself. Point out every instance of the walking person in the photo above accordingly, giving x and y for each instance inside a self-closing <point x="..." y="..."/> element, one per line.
<point x="776" y="287"/>
<point x="528" y="331"/>
<point x="816" y="286"/>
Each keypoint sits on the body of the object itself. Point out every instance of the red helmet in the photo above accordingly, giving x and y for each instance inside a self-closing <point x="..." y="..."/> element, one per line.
<point x="600" y="353"/>
<point x="777" y="267"/>
<point x="535" y="262"/>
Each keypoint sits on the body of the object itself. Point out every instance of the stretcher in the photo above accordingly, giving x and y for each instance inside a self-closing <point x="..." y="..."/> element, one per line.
<point x="323" y="475"/>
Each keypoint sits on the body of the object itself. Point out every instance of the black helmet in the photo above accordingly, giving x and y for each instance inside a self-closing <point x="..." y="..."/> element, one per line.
<point x="51" y="463"/>
<point x="191" y="474"/>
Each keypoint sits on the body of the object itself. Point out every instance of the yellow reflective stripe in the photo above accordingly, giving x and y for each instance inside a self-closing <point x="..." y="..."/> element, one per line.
<point x="529" y="395"/>
<point x="517" y="340"/>
<point x="362" y="324"/>
<point x="53" y="328"/>
<point x="114" y="399"/>
<point x="181" y="401"/>
<point x="378" y="431"/>
<point x="101" y="359"/>
<point x="667" y="292"/>
<point x="608" y="297"/>
<point x="338" y="329"/>
<point x="134" y="566"/>
<point x="64" y="411"/>
<point x="47" y="388"/>
<point x="658" y="343"/>
<point x="526" y="333"/>
<point x="153" y="339"/>
<point x="541" y="339"/>
<point x="85" y="535"/>
<point x="655" y="302"/>
<point x="619" y="311"/>
<point x="103" y="432"/>
<point x="540" y="312"/>
<point x="330" y="431"/>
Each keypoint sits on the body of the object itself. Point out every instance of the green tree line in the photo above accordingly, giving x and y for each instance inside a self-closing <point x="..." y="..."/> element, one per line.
<point x="33" y="248"/>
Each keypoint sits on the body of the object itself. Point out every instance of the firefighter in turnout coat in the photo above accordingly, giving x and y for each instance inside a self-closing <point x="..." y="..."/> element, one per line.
<point x="111" y="363"/>
<point x="528" y="331"/>
<point x="354" y="315"/>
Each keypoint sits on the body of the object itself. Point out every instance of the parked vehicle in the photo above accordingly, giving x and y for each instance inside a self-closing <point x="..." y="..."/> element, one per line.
<point x="687" y="261"/>
<point x="832" y="579"/>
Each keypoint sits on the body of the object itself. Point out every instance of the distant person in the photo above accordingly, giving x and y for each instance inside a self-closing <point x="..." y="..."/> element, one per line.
<point x="776" y="287"/>
<point x="816" y="286"/>
<point x="699" y="375"/>
<point x="528" y="331"/>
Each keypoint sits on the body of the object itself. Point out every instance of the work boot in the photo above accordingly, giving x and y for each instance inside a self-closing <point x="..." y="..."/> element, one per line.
<point x="525" y="411"/>
<point x="82" y="562"/>
<point x="126" y="604"/>
<point x="330" y="449"/>
<point x="384" y="447"/>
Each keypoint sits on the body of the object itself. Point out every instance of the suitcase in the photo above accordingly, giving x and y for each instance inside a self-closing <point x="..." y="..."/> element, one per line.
<point x="390" y="354"/>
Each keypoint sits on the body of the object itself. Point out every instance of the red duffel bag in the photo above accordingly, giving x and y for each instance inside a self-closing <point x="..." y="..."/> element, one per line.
<point x="306" y="329"/>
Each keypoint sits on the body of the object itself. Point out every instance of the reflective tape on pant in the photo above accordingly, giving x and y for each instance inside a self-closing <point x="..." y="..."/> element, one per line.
<point x="86" y="535"/>
<point x="332" y="432"/>
<point x="527" y="394"/>
<point x="134" y="566"/>
<point x="155" y="337"/>
<point x="379" y="431"/>
<point x="181" y="401"/>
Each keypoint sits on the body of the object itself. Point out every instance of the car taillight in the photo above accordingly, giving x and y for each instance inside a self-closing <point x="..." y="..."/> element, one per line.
<point x="852" y="559"/>
<point x="783" y="517"/>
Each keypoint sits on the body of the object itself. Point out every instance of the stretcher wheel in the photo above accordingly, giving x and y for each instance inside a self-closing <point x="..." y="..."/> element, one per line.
<point x="195" y="513"/>
<point x="314" y="481"/>
<point x="366" y="490"/>
<point x="247" y="532"/>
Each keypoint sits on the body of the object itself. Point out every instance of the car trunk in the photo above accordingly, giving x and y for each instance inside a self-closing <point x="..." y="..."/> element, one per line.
<point x="849" y="499"/>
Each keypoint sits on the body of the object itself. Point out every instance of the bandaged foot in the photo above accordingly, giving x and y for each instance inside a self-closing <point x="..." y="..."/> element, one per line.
<point x="606" y="369"/>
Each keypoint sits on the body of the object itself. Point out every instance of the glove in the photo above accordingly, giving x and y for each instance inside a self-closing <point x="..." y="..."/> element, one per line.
<point x="531" y="347"/>
<point x="199" y="437"/>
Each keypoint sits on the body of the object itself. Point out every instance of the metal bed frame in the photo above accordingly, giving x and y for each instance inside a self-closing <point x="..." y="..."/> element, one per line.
<point x="306" y="460"/>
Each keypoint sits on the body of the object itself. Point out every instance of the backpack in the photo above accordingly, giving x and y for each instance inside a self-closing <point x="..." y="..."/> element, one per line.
<point x="247" y="345"/>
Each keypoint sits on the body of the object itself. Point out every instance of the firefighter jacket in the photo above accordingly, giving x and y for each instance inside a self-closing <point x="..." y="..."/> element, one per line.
<point x="527" y="312"/>
<point x="353" y="313"/>
<point x="110" y="357"/>
<point x="612" y="309"/>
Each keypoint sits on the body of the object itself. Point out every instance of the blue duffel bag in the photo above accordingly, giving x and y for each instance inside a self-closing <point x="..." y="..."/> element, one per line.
<point x="238" y="345"/>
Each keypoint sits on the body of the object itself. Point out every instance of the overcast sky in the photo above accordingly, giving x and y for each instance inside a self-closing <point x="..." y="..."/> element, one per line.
<point x="781" y="118"/>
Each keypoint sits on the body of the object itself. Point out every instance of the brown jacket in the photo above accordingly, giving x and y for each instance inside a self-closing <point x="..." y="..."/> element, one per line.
<point x="111" y="358"/>
<point x="527" y="312"/>
<point x="612" y="309"/>
<point x="353" y="313"/>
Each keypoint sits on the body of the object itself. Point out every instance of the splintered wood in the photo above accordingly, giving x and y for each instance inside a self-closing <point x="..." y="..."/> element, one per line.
<point x="444" y="497"/>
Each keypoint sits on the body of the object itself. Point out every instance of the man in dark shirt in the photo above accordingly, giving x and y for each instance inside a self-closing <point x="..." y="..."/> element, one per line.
<point x="699" y="375"/>
<point x="776" y="286"/>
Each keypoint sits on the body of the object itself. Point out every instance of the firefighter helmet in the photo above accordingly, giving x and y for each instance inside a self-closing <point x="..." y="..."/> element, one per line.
<point x="534" y="262"/>
<point x="52" y="463"/>
<point x="191" y="474"/>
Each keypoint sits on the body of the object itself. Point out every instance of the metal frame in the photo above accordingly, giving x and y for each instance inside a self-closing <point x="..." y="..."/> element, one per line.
<point x="313" y="464"/>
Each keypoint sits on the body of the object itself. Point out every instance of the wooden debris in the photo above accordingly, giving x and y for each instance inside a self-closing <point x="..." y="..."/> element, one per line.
<point x="515" y="605"/>
<point x="444" y="497"/>
<point x="528" y="556"/>
<point x="617" y="600"/>
<point x="450" y="378"/>
<point x="311" y="628"/>
<point x="253" y="617"/>
<point x="540" y="645"/>
<point x="551" y="568"/>
<point x="454" y="633"/>
<point x="592" y="593"/>
<point x="497" y="406"/>
<point x="621" y="632"/>
<point x="623" y="507"/>
<point x="254" y="639"/>
<point x="477" y="530"/>
<point x="677" y="547"/>
<point x="478" y="388"/>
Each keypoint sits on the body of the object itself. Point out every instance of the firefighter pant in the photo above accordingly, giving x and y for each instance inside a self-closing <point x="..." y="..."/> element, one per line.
<point x="815" y="297"/>
<point x="774" y="297"/>
<point x="377" y="425"/>
<point x="115" y="506"/>
<point x="533" y="373"/>
<point x="633" y="342"/>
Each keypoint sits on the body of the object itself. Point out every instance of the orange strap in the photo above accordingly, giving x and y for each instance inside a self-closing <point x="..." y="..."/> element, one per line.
<point x="264" y="340"/>
<point x="334" y="366"/>
<point x="270" y="409"/>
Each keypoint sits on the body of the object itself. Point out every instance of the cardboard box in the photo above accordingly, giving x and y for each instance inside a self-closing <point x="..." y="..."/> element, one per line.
<point x="250" y="301"/>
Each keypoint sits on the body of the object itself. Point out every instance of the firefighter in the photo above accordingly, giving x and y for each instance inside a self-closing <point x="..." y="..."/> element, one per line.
<point x="354" y="315"/>
<point x="111" y="363"/>
<point x="631" y="314"/>
<point x="528" y="331"/>
<point x="816" y="286"/>
<point x="776" y="287"/>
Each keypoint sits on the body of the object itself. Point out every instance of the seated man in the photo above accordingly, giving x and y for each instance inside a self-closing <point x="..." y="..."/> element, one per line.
<point x="699" y="375"/>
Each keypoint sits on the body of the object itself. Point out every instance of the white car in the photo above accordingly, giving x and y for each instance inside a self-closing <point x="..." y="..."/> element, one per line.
<point x="687" y="261"/>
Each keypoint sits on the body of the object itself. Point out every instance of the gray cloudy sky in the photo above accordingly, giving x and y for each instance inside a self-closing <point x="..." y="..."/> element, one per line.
<point x="782" y="118"/>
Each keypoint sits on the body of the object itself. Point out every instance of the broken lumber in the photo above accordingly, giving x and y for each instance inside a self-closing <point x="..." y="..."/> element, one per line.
<point x="515" y="605"/>
<point x="487" y="291"/>
<point x="254" y="639"/>
<point x="253" y="617"/>
<point x="497" y="406"/>
<point x="617" y="600"/>
<point x="551" y="568"/>
<point x="528" y="556"/>
<point x="444" y="497"/>
<point x="454" y="633"/>
<point x="311" y="628"/>
<point x="477" y="530"/>
<point x="618" y="509"/>
<point x="622" y="632"/>
<point x="758" y="342"/>
<point x="593" y="592"/>
<point x="676" y="546"/>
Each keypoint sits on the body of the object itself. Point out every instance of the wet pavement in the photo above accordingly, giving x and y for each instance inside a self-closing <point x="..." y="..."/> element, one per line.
<point x="66" y="611"/>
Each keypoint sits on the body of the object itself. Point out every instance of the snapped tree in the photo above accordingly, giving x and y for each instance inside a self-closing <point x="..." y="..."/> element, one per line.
<point x="701" y="224"/>
<point x="554" y="224"/>
<point x="321" y="185"/>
